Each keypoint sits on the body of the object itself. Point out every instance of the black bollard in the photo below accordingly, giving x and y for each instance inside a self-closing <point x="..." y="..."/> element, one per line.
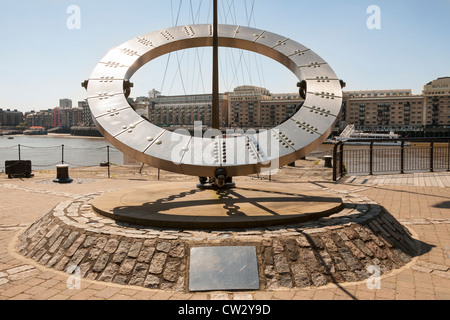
<point x="62" y="174"/>
<point x="328" y="162"/>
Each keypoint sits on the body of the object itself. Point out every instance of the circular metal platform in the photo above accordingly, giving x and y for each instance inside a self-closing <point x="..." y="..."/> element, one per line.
<point x="252" y="204"/>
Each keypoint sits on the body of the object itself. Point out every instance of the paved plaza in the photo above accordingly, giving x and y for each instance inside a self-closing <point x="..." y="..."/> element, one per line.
<point x="420" y="202"/>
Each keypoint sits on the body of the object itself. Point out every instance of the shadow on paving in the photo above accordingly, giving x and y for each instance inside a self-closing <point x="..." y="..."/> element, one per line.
<point x="442" y="205"/>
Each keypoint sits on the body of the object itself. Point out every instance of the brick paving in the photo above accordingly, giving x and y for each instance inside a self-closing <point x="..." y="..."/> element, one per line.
<point x="424" y="209"/>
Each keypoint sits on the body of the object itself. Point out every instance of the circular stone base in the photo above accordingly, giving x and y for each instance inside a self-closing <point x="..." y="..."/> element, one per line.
<point x="251" y="204"/>
<point x="334" y="249"/>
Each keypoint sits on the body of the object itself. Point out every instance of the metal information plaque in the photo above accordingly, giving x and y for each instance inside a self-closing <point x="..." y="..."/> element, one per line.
<point x="223" y="268"/>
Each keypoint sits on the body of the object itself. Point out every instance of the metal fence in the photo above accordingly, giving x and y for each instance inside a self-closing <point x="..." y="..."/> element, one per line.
<point x="48" y="157"/>
<point x="380" y="156"/>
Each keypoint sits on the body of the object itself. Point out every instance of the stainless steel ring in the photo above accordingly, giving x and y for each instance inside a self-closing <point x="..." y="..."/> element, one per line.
<point x="198" y="156"/>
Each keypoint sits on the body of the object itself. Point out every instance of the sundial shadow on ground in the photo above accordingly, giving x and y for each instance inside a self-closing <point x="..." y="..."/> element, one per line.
<point x="254" y="204"/>
<point x="229" y="198"/>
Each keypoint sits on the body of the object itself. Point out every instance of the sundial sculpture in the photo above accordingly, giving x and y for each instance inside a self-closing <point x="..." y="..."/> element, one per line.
<point x="220" y="157"/>
<point x="217" y="262"/>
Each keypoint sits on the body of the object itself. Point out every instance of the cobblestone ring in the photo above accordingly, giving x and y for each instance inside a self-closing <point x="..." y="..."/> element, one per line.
<point x="198" y="156"/>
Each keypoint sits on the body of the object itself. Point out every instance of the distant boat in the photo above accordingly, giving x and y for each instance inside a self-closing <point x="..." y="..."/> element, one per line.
<point x="350" y="134"/>
<point x="10" y="138"/>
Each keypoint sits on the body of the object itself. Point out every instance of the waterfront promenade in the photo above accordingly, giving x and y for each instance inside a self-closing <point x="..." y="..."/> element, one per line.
<point x="421" y="202"/>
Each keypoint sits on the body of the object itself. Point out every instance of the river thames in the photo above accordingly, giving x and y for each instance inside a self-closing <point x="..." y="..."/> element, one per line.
<point x="45" y="152"/>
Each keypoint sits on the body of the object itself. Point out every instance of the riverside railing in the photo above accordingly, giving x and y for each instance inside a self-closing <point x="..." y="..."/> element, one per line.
<point x="390" y="156"/>
<point x="49" y="156"/>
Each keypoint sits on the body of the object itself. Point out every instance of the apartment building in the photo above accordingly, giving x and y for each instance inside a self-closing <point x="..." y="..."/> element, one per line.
<point x="183" y="111"/>
<point x="437" y="103"/>
<point x="394" y="108"/>
<point x="256" y="107"/>
<point x="10" y="118"/>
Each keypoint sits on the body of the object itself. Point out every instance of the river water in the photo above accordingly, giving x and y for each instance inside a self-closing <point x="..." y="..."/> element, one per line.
<point x="45" y="152"/>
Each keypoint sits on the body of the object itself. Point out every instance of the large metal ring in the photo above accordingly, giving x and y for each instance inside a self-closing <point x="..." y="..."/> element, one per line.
<point x="198" y="156"/>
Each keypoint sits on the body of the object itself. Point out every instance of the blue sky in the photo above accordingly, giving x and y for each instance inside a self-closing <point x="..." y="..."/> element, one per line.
<point x="42" y="60"/>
